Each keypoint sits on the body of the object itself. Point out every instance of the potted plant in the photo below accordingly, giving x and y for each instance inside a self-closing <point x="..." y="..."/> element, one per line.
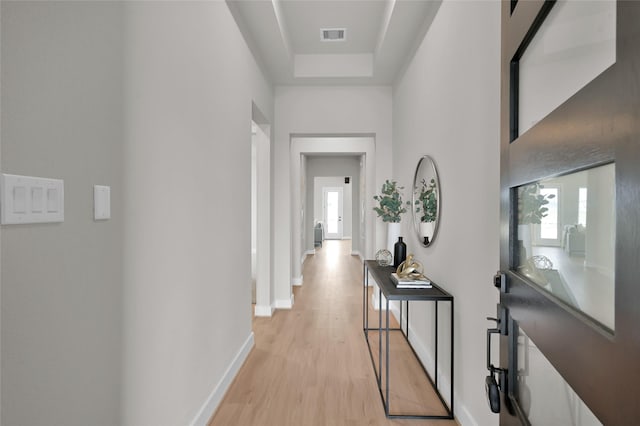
<point x="390" y="208"/>
<point x="390" y="202"/>
<point x="531" y="210"/>
<point x="427" y="205"/>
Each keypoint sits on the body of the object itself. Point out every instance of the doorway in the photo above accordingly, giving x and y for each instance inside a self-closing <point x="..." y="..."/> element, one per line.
<point x="334" y="149"/>
<point x="261" y="284"/>
<point x="568" y="312"/>
<point x="332" y="207"/>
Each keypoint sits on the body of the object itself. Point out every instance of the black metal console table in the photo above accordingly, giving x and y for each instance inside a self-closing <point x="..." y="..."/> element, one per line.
<point x="386" y="287"/>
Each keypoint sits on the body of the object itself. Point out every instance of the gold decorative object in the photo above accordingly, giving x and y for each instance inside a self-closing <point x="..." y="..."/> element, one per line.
<point x="411" y="269"/>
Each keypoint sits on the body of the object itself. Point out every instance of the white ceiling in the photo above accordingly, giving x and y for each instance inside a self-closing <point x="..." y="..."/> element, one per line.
<point x="381" y="38"/>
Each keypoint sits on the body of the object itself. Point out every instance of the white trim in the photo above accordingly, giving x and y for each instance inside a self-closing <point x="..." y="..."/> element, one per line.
<point x="307" y="253"/>
<point x="346" y="238"/>
<point x="357" y="253"/>
<point x="264" y="311"/>
<point x="297" y="281"/>
<point x="263" y="200"/>
<point x="210" y="406"/>
<point x="284" y="303"/>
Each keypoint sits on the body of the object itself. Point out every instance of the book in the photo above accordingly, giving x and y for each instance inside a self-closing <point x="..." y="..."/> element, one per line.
<point x="409" y="283"/>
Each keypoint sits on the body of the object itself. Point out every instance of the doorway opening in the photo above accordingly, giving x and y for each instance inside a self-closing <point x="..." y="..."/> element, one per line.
<point x="347" y="158"/>
<point x="261" y="283"/>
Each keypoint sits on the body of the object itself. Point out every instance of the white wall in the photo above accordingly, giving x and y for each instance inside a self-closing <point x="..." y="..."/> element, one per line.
<point x="135" y="320"/>
<point x="190" y="84"/>
<point x="323" y="111"/>
<point x="447" y="106"/>
<point x="62" y="283"/>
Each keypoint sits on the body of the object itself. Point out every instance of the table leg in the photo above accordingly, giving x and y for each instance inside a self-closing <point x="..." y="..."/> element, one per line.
<point x="379" y="337"/>
<point x="365" y="285"/>
<point x="435" y="372"/>
<point x="387" y="362"/>
<point x="451" y="360"/>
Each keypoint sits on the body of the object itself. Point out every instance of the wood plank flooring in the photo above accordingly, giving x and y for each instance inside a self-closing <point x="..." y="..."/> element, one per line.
<point x="310" y="365"/>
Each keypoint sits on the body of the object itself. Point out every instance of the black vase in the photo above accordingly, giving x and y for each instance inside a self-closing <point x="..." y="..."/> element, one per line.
<point x="399" y="252"/>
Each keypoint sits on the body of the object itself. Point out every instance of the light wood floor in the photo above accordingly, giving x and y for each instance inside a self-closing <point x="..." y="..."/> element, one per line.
<point x="311" y="366"/>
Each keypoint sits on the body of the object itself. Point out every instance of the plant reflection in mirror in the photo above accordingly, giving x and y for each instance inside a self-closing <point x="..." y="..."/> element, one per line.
<point x="427" y="201"/>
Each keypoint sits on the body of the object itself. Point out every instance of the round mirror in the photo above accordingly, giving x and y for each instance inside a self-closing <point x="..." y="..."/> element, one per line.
<point x="426" y="201"/>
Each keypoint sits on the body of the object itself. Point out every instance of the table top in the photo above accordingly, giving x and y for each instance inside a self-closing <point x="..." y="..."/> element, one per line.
<point x="382" y="276"/>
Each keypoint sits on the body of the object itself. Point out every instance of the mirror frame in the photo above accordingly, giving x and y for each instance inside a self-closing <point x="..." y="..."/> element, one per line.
<point x="416" y="220"/>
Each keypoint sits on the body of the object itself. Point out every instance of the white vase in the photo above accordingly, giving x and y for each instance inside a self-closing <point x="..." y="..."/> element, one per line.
<point x="393" y="232"/>
<point x="426" y="230"/>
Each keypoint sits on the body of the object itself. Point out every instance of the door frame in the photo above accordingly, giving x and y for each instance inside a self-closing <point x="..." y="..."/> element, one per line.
<point x="599" y="124"/>
<point x="264" y="305"/>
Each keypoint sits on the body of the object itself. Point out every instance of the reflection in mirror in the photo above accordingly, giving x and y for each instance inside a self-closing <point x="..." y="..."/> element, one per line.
<point x="566" y="239"/>
<point x="544" y="396"/>
<point x="426" y="201"/>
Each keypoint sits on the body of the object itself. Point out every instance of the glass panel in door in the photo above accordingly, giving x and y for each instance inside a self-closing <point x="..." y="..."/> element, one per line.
<point x="333" y="212"/>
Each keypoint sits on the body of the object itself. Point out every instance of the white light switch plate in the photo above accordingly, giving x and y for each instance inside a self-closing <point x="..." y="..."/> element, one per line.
<point x="28" y="199"/>
<point x="101" y="202"/>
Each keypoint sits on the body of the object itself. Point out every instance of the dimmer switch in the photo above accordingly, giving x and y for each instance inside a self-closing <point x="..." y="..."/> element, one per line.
<point x="28" y="199"/>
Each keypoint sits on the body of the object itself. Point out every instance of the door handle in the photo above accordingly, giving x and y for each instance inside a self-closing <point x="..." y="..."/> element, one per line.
<point x="500" y="281"/>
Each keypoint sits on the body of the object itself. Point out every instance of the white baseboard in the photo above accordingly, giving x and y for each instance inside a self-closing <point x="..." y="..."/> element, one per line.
<point x="264" y="310"/>
<point x="357" y="253"/>
<point x="308" y="253"/>
<point x="297" y="281"/>
<point x="210" y="406"/>
<point x="284" y="303"/>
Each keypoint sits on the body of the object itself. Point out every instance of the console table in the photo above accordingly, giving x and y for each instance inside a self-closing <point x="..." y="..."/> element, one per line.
<point x="386" y="287"/>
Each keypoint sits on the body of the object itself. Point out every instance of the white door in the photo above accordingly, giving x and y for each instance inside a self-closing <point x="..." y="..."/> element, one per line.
<point x="332" y="203"/>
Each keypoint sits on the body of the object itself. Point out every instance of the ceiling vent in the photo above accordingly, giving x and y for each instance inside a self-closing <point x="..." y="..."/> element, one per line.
<point x="333" y="34"/>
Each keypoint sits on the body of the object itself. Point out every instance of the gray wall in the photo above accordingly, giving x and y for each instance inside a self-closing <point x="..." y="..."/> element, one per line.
<point x="329" y="166"/>
<point x="190" y="83"/>
<point x="119" y="322"/>
<point x="62" y="283"/>
<point x="443" y="109"/>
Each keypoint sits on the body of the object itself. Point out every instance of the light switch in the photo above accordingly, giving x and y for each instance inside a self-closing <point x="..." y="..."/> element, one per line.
<point x="52" y="200"/>
<point x="19" y="199"/>
<point x="28" y="199"/>
<point x="37" y="199"/>
<point x="101" y="202"/>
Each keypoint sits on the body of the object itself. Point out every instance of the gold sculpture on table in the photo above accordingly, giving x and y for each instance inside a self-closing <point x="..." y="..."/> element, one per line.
<point x="411" y="269"/>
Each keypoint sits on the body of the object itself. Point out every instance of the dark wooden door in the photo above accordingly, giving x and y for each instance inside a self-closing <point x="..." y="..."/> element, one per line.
<point x="598" y="358"/>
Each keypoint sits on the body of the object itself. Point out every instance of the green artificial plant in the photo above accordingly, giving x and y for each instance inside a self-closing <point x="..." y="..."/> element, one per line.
<point x="427" y="201"/>
<point x="531" y="204"/>
<point x="390" y="202"/>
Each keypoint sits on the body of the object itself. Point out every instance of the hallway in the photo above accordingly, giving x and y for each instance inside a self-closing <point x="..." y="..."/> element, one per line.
<point x="310" y="365"/>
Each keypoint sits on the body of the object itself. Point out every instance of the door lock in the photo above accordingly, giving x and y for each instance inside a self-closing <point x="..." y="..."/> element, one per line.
<point x="491" y="385"/>
<point x="493" y="392"/>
